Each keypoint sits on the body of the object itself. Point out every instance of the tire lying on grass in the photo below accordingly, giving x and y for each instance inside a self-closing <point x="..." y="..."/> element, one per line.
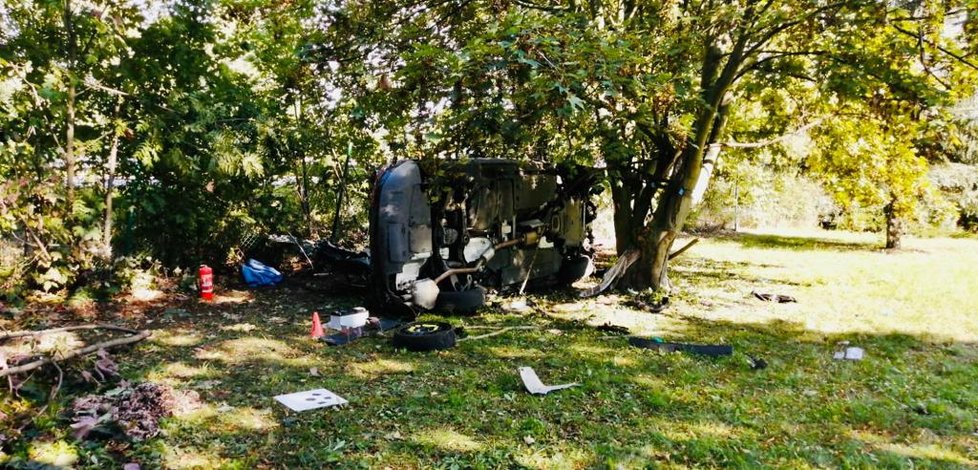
<point x="424" y="336"/>
<point x="461" y="302"/>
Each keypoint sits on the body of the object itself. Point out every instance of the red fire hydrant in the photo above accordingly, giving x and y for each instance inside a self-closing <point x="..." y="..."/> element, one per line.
<point x="205" y="281"/>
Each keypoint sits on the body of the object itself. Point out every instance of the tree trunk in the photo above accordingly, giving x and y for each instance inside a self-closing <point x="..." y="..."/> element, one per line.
<point x="70" y="146"/>
<point x="626" y="227"/>
<point x="674" y="206"/>
<point x="694" y="172"/>
<point x="894" y="227"/>
<point x="111" y="165"/>
<point x="69" y="152"/>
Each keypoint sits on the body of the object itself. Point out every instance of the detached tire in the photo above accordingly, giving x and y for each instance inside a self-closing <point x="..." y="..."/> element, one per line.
<point x="425" y="337"/>
<point x="461" y="302"/>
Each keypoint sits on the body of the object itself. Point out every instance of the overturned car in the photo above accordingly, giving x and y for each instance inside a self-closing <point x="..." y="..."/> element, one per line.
<point x="440" y="236"/>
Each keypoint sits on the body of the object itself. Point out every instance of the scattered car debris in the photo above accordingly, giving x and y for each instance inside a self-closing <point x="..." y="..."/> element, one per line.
<point x="652" y="307"/>
<point x="518" y="305"/>
<point x="657" y="344"/>
<point x="614" y="329"/>
<point x="256" y="274"/>
<point x="756" y="363"/>
<point x="535" y="386"/>
<point x="850" y="354"/>
<point x="612" y="274"/>
<point x="374" y="327"/>
<point x="354" y="319"/>
<point x="781" y="299"/>
<point x="421" y="337"/>
<point x="311" y="400"/>
<point x="135" y="410"/>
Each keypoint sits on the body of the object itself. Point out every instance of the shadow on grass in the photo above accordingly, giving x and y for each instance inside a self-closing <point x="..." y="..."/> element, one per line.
<point x="800" y="243"/>
<point x="909" y="402"/>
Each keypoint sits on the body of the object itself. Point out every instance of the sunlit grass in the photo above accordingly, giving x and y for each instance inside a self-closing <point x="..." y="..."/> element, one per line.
<point x="912" y="402"/>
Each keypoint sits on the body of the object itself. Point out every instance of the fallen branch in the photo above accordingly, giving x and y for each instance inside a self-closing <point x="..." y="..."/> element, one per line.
<point x="138" y="336"/>
<point x="89" y="326"/>
<point x="680" y="251"/>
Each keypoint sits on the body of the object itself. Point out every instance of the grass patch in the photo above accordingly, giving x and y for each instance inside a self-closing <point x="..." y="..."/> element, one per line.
<point x="911" y="402"/>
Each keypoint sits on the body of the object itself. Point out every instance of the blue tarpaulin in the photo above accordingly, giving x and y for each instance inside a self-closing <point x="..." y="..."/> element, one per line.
<point x="256" y="274"/>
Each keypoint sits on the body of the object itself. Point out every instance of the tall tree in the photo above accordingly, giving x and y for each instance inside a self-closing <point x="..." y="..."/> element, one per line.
<point x="646" y="88"/>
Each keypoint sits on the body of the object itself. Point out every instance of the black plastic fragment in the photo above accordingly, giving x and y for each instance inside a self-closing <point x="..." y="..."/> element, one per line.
<point x="712" y="350"/>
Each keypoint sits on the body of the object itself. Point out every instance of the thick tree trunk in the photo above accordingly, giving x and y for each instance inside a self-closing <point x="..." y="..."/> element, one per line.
<point x="693" y="175"/>
<point x="626" y="227"/>
<point x="894" y="227"/>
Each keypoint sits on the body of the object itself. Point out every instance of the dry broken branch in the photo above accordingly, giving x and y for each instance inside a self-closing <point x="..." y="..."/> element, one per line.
<point x="136" y="336"/>
<point x="88" y="326"/>
<point x="680" y="251"/>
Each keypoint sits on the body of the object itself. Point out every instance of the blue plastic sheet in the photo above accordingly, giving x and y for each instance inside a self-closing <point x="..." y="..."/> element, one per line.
<point x="256" y="274"/>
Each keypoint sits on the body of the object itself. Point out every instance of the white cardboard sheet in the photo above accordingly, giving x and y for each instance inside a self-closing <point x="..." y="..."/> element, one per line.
<point x="311" y="399"/>
<point x="851" y="354"/>
<point x="535" y="386"/>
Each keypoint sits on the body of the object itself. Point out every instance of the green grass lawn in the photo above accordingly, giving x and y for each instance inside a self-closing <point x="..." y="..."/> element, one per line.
<point x="912" y="402"/>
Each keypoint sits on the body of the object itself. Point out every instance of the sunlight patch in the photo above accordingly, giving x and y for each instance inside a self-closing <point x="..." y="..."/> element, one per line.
<point x="177" y="458"/>
<point x="248" y="418"/>
<point x="514" y="352"/>
<point x="650" y="381"/>
<point x="691" y="431"/>
<point x="233" y="297"/>
<point x="928" y="451"/>
<point x="918" y="450"/>
<point x="447" y="439"/>
<point x="379" y="367"/>
<point x="556" y="459"/>
<point x="177" y="337"/>
<point x="57" y="453"/>
<point x="173" y="372"/>
<point x="248" y="349"/>
<point x="596" y="352"/>
<point x="622" y="361"/>
<point x="241" y="327"/>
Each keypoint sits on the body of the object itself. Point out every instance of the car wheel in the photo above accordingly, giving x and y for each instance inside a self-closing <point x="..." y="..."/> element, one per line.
<point x="461" y="302"/>
<point x="424" y="337"/>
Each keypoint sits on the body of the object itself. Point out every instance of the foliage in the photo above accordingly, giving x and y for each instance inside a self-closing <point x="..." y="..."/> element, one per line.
<point x="213" y="120"/>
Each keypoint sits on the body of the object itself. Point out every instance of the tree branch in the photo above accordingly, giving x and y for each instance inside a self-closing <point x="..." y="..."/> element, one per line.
<point x="958" y="57"/>
<point x="76" y="352"/>
<point x="774" y="140"/>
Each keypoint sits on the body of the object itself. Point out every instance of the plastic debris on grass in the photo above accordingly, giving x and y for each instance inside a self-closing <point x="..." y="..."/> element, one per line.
<point x="535" y="386"/>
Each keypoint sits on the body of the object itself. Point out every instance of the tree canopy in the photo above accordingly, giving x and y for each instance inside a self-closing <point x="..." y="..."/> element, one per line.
<point x="209" y="120"/>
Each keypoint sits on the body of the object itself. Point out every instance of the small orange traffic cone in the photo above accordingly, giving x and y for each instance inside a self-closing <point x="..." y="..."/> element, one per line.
<point x="317" y="327"/>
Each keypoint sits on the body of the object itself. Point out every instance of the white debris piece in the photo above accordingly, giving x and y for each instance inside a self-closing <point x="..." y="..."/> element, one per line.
<point x="535" y="386"/>
<point x="355" y="319"/>
<point x="851" y="354"/>
<point x="311" y="399"/>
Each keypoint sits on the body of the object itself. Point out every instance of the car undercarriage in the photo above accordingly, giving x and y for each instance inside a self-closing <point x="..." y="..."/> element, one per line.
<point x="441" y="232"/>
